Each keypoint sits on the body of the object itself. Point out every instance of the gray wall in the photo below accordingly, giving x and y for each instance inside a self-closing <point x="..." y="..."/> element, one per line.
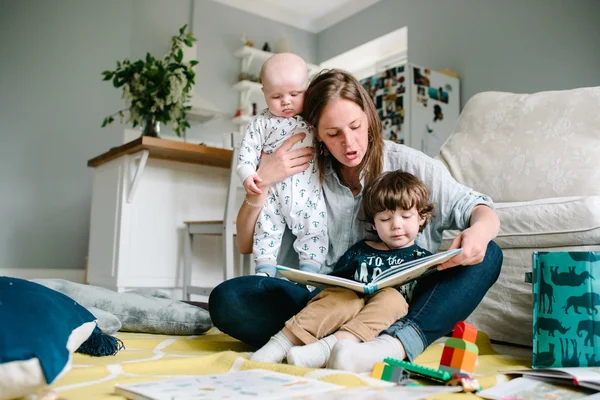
<point x="508" y="45"/>
<point x="219" y="30"/>
<point x="53" y="100"/>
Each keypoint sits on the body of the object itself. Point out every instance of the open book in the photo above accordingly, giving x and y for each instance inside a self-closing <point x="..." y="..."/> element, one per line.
<point x="588" y="377"/>
<point x="530" y="389"/>
<point x="249" y="384"/>
<point x="395" y="276"/>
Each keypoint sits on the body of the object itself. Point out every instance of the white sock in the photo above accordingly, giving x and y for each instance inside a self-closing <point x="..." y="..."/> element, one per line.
<point x="274" y="351"/>
<point x="314" y="355"/>
<point x="360" y="357"/>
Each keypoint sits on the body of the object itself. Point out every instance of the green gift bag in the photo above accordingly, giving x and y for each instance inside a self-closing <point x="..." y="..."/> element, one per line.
<point x="566" y="301"/>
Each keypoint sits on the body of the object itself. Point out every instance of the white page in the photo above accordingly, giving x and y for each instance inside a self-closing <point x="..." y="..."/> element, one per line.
<point x="531" y="389"/>
<point x="250" y="384"/>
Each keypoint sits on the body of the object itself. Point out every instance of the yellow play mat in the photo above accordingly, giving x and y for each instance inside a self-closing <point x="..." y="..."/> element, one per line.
<point x="149" y="357"/>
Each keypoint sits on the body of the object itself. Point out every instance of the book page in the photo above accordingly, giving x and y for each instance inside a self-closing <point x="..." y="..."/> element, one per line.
<point x="589" y="374"/>
<point x="413" y="269"/>
<point x="581" y="374"/>
<point x="320" y="280"/>
<point x="531" y="389"/>
<point x="250" y="384"/>
<point x="394" y="276"/>
<point x="384" y="393"/>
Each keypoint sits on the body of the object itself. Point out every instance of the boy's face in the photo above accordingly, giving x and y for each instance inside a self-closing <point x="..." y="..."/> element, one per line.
<point x="284" y="94"/>
<point x="398" y="228"/>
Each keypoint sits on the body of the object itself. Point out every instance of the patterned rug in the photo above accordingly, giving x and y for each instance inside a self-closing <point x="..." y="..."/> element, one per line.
<point x="149" y="357"/>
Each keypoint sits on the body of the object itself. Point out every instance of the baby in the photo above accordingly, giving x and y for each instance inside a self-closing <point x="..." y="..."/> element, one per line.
<point x="397" y="206"/>
<point x="297" y="201"/>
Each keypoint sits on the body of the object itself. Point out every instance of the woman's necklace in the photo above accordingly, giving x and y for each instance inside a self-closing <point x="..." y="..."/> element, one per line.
<point x="353" y="187"/>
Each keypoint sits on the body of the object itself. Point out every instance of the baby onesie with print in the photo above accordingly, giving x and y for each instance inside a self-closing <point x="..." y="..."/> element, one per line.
<point x="296" y="202"/>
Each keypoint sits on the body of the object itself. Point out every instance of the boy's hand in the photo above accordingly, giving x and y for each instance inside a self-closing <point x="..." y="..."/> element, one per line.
<point x="251" y="185"/>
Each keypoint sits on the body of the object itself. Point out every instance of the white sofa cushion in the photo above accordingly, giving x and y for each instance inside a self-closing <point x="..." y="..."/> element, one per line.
<point x="521" y="147"/>
<point x="554" y="222"/>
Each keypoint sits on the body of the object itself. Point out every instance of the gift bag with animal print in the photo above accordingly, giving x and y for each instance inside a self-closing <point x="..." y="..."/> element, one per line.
<point x="566" y="301"/>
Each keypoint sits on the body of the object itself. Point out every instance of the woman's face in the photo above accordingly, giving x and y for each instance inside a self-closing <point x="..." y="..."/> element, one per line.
<point x="344" y="129"/>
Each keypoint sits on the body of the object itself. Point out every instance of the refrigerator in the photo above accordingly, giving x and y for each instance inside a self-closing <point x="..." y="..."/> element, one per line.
<point x="418" y="107"/>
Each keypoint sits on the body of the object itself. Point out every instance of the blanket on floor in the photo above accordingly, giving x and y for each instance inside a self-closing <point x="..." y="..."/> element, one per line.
<point x="149" y="357"/>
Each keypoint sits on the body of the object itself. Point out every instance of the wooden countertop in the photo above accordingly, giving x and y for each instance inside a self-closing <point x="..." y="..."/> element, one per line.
<point x="168" y="150"/>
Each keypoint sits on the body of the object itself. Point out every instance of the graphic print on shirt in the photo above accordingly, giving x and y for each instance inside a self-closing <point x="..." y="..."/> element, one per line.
<point x="372" y="265"/>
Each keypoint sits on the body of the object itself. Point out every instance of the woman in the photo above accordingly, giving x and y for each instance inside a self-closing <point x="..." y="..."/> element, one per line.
<point x="350" y="153"/>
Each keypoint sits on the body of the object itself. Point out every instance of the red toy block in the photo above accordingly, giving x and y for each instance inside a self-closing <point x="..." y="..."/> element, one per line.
<point x="447" y="355"/>
<point x="465" y="331"/>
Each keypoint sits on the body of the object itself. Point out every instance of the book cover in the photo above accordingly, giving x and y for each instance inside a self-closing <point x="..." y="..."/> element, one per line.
<point x="250" y="384"/>
<point x="566" y="296"/>
<point x="394" y="276"/>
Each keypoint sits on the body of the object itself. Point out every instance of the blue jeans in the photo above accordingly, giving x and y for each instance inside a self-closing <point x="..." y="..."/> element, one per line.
<point x="254" y="308"/>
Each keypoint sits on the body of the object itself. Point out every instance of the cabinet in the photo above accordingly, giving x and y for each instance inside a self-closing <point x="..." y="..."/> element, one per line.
<point x="142" y="192"/>
<point x="251" y="61"/>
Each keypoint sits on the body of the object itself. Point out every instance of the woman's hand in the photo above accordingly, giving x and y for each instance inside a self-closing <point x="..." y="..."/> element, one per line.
<point x="284" y="163"/>
<point x="474" y="240"/>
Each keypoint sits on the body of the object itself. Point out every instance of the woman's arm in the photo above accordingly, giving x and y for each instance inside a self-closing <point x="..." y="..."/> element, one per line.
<point x="273" y="168"/>
<point x="484" y="226"/>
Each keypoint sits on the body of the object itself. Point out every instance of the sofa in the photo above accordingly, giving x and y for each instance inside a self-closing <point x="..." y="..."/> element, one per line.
<point x="538" y="156"/>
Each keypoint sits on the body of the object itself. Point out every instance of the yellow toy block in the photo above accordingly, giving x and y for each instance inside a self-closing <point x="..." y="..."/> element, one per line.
<point x="378" y="370"/>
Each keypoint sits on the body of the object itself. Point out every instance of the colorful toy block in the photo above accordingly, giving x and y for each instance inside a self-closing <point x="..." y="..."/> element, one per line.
<point x="390" y="373"/>
<point x="460" y="351"/>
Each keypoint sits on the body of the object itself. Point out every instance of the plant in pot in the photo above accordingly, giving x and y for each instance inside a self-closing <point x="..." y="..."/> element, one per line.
<point x="156" y="90"/>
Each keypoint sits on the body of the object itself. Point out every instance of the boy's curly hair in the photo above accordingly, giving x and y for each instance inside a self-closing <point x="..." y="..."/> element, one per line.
<point x="396" y="189"/>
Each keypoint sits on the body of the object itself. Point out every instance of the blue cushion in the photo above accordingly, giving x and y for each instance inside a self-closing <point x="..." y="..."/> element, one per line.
<point x="39" y="329"/>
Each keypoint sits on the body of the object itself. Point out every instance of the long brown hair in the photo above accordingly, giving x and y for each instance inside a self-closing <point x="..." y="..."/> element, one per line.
<point x="329" y="86"/>
<point x="396" y="189"/>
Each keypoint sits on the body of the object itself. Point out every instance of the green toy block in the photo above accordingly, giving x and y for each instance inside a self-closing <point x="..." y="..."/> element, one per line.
<point x="462" y="344"/>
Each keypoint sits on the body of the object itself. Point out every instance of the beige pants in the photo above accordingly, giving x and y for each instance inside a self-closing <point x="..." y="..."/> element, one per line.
<point x="345" y="310"/>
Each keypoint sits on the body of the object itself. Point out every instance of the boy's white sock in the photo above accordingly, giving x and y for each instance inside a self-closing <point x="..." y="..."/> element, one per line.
<point x="360" y="357"/>
<point x="274" y="351"/>
<point x="314" y="355"/>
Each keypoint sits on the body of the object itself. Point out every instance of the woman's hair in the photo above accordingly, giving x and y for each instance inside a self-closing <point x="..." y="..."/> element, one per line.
<point x="393" y="190"/>
<point x="329" y="86"/>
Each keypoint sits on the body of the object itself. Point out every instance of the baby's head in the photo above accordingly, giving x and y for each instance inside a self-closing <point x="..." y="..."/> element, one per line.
<point x="284" y="78"/>
<point x="397" y="206"/>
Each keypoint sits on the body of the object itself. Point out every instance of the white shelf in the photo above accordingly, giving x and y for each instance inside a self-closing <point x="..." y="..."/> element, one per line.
<point x="247" y="51"/>
<point x="242" y="120"/>
<point x="199" y="115"/>
<point x="202" y="110"/>
<point x="250" y="53"/>
<point x="243" y="86"/>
